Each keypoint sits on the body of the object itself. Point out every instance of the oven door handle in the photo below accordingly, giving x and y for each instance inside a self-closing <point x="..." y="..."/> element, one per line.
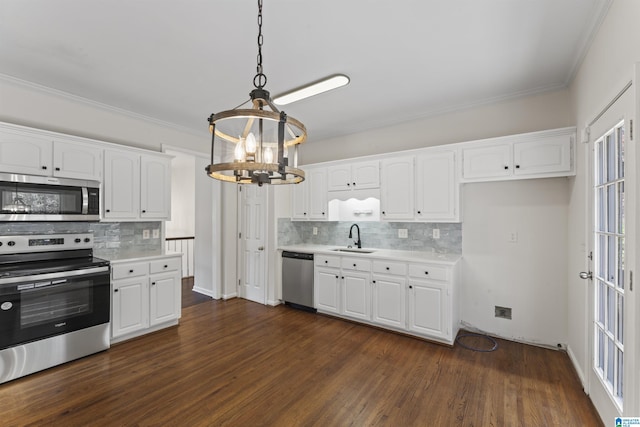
<point x="57" y="275"/>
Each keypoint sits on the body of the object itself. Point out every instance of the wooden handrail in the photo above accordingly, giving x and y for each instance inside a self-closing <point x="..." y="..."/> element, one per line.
<point x="180" y="238"/>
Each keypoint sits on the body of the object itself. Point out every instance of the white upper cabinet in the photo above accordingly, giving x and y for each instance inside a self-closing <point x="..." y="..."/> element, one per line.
<point x="535" y="155"/>
<point x="121" y="185"/>
<point x="28" y="153"/>
<point x="155" y="187"/>
<point x="397" y="190"/>
<point x="354" y="176"/>
<point x="309" y="198"/>
<point x="136" y="186"/>
<point x="77" y="160"/>
<point x="437" y="188"/>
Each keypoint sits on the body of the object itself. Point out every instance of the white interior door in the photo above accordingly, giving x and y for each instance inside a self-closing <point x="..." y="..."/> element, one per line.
<point x="612" y="376"/>
<point x="252" y="260"/>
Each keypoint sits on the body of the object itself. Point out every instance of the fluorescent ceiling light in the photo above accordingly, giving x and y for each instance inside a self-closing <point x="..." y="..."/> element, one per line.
<point x="329" y="83"/>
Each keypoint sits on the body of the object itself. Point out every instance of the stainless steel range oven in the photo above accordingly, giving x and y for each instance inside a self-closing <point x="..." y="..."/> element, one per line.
<point x="54" y="302"/>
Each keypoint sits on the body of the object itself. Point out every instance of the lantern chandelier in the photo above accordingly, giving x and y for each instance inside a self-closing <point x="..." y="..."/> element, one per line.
<point x="257" y="145"/>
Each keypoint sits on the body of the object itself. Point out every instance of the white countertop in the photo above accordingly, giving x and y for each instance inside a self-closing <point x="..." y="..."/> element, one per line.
<point x="132" y="255"/>
<point x="409" y="256"/>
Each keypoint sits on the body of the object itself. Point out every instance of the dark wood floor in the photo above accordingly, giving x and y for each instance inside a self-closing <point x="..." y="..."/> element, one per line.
<point x="189" y="297"/>
<point x="237" y="363"/>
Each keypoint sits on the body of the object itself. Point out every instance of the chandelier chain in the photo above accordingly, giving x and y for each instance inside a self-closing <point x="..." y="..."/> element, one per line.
<point x="260" y="79"/>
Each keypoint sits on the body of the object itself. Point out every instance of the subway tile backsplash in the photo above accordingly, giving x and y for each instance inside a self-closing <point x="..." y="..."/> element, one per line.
<point x="109" y="237"/>
<point x="383" y="235"/>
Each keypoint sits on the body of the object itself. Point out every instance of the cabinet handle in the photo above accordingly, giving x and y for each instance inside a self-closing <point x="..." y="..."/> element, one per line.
<point x="426" y="272"/>
<point x="419" y="212"/>
<point x="166" y="266"/>
<point x="107" y="210"/>
<point x="144" y="211"/>
<point x="130" y="271"/>
<point x="517" y="166"/>
<point x="506" y="167"/>
<point x="116" y="290"/>
<point x="153" y="283"/>
<point x="44" y="168"/>
<point x="354" y="184"/>
<point x="57" y="169"/>
<point x="387" y="268"/>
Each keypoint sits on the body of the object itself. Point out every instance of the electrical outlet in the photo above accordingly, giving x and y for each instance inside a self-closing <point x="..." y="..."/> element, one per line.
<point x="145" y="234"/>
<point x="156" y="233"/>
<point x="436" y="233"/>
<point x="503" y="312"/>
<point x="403" y="233"/>
<point x="315" y="231"/>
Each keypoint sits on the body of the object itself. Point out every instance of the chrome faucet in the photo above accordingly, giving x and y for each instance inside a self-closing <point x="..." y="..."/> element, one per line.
<point x="357" y="242"/>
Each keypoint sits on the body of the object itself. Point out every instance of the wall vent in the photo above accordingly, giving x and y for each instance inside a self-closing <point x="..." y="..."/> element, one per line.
<point x="503" y="312"/>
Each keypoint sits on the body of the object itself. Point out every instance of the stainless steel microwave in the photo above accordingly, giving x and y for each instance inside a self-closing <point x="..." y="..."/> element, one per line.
<point x="42" y="198"/>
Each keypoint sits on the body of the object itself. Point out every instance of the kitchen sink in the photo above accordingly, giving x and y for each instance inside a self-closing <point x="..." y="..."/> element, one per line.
<point x="353" y="250"/>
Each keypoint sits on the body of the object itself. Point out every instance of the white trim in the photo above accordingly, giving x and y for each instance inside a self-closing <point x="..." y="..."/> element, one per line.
<point x="579" y="371"/>
<point x="203" y="291"/>
<point x="230" y="296"/>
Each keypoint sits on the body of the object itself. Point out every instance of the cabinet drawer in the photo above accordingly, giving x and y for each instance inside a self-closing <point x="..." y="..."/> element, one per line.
<point x="122" y="271"/>
<point x="162" y="265"/>
<point x="357" y="264"/>
<point x="390" y="267"/>
<point x="433" y="272"/>
<point x="327" y="261"/>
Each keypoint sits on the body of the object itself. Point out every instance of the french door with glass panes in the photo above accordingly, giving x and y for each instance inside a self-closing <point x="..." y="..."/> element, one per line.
<point x="612" y="311"/>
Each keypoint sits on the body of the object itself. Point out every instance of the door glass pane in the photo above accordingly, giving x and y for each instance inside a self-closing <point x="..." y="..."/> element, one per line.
<point x="609" y="261"/>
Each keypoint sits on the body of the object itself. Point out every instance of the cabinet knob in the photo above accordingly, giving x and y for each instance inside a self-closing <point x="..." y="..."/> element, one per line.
<point x="506" y="167"/>
<point x="387" y="268"/>
<point x="348" y="184"/>
<point x="374" y="281"/>
<point x="384" y="213"/>
<point x="107" y="210"/>
<point x="322" y="213"/>
<point x="144" y="211"/>
<point x="115" y="290"/>
<point x="337" y="277"/>
<point x="410" y="287"/>
<point x="517" y="166"/>
<point x="354" y="265"/>
<point x="44" y="168"/>
<point x="343" y="277"/>
<point x="130" y="271"/>
<point x="426" y="272"/>
<point x="166" y="266"/>
<point x="57" y="169"/>
<point x="304" y="213"/>
<point x="354" y="184"/>
<point x="419" y="212"/>
<point x="153" y="283"/>
<point x="326" y="262"/>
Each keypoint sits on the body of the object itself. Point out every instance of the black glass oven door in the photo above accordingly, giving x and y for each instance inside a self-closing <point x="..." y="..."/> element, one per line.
<point x="44" y="305"/>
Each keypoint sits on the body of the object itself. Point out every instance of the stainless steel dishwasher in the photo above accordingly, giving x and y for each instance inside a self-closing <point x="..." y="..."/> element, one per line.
<point x="297" y="280"/>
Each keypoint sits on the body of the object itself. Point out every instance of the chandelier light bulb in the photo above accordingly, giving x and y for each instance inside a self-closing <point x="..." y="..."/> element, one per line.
<point x="251" y="144"/>
<point x="268" y="155"/>
<point x="239" y="153"/>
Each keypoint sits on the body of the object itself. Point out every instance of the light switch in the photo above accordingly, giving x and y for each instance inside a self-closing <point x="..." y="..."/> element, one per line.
<point x="403" y="233"/>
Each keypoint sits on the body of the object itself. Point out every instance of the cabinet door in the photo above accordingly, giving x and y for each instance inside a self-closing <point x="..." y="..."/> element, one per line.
<point x="163" y="305"/>
<point x="356" y="295"/>
<point x="121" y="185"/>
<point x="436" y="187"/>
<point x="155" y="187"/>
<point x="25" y="154"/>
<point x="487" y="162"/>
<point x="77" y="160"/>
<point x="299" y="201"/>
<point x="339" y="178"/>
<point x="428" y="309"/>
<point x="327" y="289"/>
<point x="317" y="194"/>
<point x="552" y="155"/>
<point x="397" y="193"/>
<point x="130" y="306"/>
<point x="365" y="175"/>
<point x="389" y="301"/>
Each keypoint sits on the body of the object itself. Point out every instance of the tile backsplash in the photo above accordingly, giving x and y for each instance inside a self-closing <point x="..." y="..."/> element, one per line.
<point x="109" y="237"/>
<point x="383" y="235"/>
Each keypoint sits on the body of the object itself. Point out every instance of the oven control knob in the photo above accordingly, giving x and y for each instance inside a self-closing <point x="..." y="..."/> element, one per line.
<point x="87" y="240"/>
<point x="11" y="243"/>
<point x="0" y="243"/>
<point x="77" y="240"/>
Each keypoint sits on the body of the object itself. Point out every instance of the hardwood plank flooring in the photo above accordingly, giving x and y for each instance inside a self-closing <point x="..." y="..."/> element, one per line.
<point x="237" y="363"/>
<point x="190" y="297"/>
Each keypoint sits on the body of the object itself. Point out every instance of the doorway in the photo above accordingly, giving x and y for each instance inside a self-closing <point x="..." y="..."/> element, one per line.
<point x="252" y="266"/>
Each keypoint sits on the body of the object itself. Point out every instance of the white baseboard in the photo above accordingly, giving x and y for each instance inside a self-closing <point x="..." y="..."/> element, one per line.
<point x="578" y="369"/>
<point x="203" y="291"/>
<point x="274" y="303"/>
<point x="229" y="296"/>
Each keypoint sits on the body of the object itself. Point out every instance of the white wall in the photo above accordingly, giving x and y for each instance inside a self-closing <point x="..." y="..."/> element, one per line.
<point x="606" y="68"/>
<point x="529" y="275"/>
<point x="183" y="169"/>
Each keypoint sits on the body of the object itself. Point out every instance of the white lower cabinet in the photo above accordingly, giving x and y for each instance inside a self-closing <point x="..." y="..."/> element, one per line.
<point x="146" y="296"/>
<point x="414" y="298"/>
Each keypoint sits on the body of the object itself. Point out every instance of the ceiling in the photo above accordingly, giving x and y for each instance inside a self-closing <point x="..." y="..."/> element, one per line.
<point x="179" y="61"/>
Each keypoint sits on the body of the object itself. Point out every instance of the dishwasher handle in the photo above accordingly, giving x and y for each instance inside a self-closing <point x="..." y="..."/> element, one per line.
<point x="297" y="255"/>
